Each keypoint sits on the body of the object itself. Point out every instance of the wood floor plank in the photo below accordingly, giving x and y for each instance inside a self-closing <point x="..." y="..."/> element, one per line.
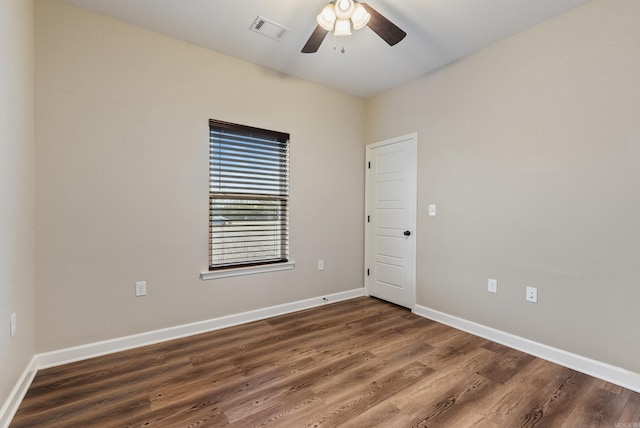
<point x="361" y="398"/>
<point x="357" y="363"/>
<point x="457" y="401"/>
<point x="435" y="394"/>
<point x="505" y="365"/>
<point x="599" y="405"/>
<point x="631" y="412"/>
<point x="538" y="384"/>
<point x="548" y="410"/>
<point x="305" y="380"/>
<point x="75" y="399"/>
<point x="383" y="414"/>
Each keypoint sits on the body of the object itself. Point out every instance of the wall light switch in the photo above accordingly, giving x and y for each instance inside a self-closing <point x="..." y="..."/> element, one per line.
<point x="141" y="288"/>
<point x="320" y="264"/>
<point x="432" y="210"/>
<point x="492" y="285"/>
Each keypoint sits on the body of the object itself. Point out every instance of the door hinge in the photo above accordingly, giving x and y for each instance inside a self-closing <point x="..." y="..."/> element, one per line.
<point x="367" y="272"/>
<point x="368" y="219"/>
<point x="369" y="165"/>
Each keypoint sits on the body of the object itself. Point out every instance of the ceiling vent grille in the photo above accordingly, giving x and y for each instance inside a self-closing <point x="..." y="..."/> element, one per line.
<point x="269" y="28"/>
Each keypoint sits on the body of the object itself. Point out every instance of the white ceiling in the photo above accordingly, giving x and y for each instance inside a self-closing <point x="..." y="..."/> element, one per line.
<point x="438" y="32"/>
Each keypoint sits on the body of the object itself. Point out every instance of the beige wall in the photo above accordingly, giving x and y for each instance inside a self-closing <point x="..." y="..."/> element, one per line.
<point x="121" y="172"/>
<point x="16" y="190"/>
<point x="531" y="151"/>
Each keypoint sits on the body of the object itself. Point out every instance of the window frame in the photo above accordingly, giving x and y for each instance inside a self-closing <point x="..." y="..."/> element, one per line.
<point x="280" y="199"/>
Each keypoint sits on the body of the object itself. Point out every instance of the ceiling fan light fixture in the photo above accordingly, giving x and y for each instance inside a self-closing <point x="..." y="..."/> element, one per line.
<point x="344" y="8"/>
<point x="343" y="28"/>
<point x="339" y="15"/>
<point x="360" y="17"/>
<point x="327" y="17"/>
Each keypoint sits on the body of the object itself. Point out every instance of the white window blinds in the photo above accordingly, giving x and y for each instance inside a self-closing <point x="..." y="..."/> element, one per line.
<point x="248" y="196"/>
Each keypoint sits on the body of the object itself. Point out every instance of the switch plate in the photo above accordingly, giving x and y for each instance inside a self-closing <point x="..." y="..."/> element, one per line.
<point x="532" y="294"/>
<point x="141" y="288"/>
<point x="13" y="324"/>
<point x="320" y="264"/>
<point x="432" y="210"/>
<point x="492" y="285"/>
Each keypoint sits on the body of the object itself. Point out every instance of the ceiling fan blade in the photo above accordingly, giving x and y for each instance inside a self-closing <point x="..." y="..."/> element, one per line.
<point x="387" y="30"/>
<point x="315" y="40"/>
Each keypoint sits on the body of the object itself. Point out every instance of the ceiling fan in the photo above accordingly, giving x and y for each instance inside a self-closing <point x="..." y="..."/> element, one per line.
<point x="339" y="15"/>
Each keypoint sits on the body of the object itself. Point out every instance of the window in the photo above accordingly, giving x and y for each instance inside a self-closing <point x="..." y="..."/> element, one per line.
<point x="248" y="196"/>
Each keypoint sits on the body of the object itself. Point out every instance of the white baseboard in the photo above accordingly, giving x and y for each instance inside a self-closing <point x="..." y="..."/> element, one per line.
<point x="10" y="406"/>
<point x="606" y="372"/>
<point x="96" y="349"/>
<point x="598" y="369"/>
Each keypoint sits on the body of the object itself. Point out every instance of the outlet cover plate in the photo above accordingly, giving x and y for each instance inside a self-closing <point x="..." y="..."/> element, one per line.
<point x="532" y="294"/>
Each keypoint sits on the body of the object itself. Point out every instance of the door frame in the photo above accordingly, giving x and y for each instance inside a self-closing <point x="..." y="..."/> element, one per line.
<point x="413" y="140"/>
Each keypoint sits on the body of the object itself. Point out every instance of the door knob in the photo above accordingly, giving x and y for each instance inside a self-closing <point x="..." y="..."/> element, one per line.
<point x="407" y="233"/>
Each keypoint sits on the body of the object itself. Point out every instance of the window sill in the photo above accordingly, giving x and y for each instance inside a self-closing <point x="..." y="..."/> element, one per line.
<point x="227" y="273"/>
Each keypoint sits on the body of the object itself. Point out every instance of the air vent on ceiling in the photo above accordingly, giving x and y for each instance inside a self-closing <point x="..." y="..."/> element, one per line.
<point x="268" y="28"/>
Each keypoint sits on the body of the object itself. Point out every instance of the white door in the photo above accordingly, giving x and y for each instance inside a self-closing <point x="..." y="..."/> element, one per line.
<point x="391" y="220"/>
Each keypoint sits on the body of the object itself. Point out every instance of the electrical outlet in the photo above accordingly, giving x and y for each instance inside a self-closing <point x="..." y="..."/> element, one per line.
<point x="13" y="324"/>
<point x="320" y="264"/>
<point x="141" y="288"/>
<point x="492" y="285"/>
<point x="532" y="294"/>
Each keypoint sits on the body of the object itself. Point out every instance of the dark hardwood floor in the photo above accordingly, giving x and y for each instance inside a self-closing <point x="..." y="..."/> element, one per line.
<point x="357" y="363"/>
